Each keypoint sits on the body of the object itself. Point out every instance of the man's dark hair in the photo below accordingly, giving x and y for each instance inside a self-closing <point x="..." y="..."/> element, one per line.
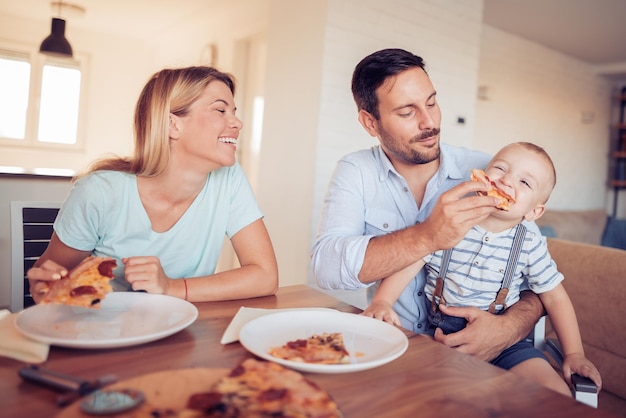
<point x="372" y="72"/>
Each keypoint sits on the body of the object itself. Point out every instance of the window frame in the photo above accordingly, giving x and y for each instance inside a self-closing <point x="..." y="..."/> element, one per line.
<point x="37" y="62"/>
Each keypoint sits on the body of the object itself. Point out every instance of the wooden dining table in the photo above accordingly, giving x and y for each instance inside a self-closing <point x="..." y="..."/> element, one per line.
<point x="428" y="380"/>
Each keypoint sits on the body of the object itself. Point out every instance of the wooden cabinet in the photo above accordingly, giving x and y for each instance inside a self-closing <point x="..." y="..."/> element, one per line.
<point x="617" y="166"/>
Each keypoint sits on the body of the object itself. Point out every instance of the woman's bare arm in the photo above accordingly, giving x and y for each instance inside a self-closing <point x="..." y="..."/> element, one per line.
<point x="256" y="276"/>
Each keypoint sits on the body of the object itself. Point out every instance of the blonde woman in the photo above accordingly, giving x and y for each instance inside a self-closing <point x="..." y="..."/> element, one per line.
<point x="163" y="213"/>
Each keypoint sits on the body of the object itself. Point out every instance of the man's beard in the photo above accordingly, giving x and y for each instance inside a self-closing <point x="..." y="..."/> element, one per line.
<point x="408" y="154"/>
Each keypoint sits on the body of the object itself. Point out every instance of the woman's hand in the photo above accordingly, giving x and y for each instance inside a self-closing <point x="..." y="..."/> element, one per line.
<point x="41" y="276"/>
<point x="46" y="270"/>
<point x="146" y="273"/>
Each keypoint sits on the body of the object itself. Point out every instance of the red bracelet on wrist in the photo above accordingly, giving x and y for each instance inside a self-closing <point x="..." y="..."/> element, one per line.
<point x="186" y="291"/>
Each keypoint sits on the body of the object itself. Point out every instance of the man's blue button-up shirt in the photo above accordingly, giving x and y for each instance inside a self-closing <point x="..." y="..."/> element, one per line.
<point x="366" y="198"/>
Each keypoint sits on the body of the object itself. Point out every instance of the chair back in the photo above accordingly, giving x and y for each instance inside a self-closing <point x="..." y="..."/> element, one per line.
<point x="31" y="230"/>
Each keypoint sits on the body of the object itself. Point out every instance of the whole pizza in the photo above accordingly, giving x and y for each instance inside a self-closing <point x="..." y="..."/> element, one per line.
<point x="259" y="389"/>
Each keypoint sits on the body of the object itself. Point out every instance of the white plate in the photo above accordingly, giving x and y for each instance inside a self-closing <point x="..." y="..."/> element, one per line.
<point x="124" y="319"/>
<point x="370" y="342"/>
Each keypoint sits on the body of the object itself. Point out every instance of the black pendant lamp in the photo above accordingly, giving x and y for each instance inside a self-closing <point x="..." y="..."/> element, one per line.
<point x="56" y="43"/>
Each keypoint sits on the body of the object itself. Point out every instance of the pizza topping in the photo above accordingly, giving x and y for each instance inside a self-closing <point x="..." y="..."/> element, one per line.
<point x="494" y="191"/>
<point x="106" y="266"/>
<point x="272" y="394"/>
<point x="326" y="348"/>
<point x="83" y="290"/>
<point x="297" y="344"/>
<point x="204" y="401"/>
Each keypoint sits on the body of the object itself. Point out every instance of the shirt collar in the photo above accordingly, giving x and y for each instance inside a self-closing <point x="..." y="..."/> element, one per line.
<point x="448" y="168"/>
<point x="383" y="165"/>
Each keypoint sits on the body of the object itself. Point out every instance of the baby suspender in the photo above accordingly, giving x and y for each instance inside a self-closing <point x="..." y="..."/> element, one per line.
<point x="499" y="304"/>
<point x="443" y="272"/>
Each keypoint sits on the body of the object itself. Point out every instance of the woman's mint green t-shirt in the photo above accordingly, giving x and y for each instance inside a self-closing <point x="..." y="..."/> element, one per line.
<point x="104" y="214"/>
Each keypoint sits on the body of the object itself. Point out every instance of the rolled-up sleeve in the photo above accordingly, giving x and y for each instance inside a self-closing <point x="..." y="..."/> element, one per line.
<point x="339" y="248"/>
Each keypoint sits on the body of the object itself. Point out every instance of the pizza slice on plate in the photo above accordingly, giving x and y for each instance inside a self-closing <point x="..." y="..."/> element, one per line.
<point x="504" y="199"/>
<point x="325" y="348"/>
<point x="86" y="285"/>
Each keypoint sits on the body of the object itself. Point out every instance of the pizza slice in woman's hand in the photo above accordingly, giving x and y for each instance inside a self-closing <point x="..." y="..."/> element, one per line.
<point x="86" y="285"/>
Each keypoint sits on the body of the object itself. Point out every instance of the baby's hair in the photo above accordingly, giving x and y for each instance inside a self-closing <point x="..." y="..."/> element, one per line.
<point x="539" y="150"/>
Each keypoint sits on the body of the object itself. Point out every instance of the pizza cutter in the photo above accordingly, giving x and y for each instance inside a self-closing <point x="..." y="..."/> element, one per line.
<point x="97" y="401"/>
<point x="108" y="402"/>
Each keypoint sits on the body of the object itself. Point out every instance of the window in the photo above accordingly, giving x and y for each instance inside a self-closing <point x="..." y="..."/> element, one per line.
<point x="58" y="107"/>
<point x="40" y="104"/>
<point x="14" y="84"/>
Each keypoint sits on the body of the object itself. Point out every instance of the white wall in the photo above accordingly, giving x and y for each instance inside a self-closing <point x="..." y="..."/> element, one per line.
<point x="538" y="95"/>
<point x="293" y="86"/>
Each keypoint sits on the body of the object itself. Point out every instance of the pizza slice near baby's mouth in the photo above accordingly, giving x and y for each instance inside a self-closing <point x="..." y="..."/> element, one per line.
<point x="504" y="199"/>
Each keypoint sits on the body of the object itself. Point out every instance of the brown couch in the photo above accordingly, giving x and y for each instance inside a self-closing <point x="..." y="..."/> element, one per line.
<point x="595" y="279"/>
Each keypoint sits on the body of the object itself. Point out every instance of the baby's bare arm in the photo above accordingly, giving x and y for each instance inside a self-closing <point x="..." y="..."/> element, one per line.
<point x="389" y="291"/>
<point x="563" y="318"/>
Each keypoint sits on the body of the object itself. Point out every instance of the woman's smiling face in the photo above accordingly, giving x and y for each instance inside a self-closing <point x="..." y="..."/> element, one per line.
<point x="209" y="131"/>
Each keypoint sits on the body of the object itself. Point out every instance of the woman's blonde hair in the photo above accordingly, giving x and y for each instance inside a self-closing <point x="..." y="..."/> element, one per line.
<point x="167" y="91"/>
